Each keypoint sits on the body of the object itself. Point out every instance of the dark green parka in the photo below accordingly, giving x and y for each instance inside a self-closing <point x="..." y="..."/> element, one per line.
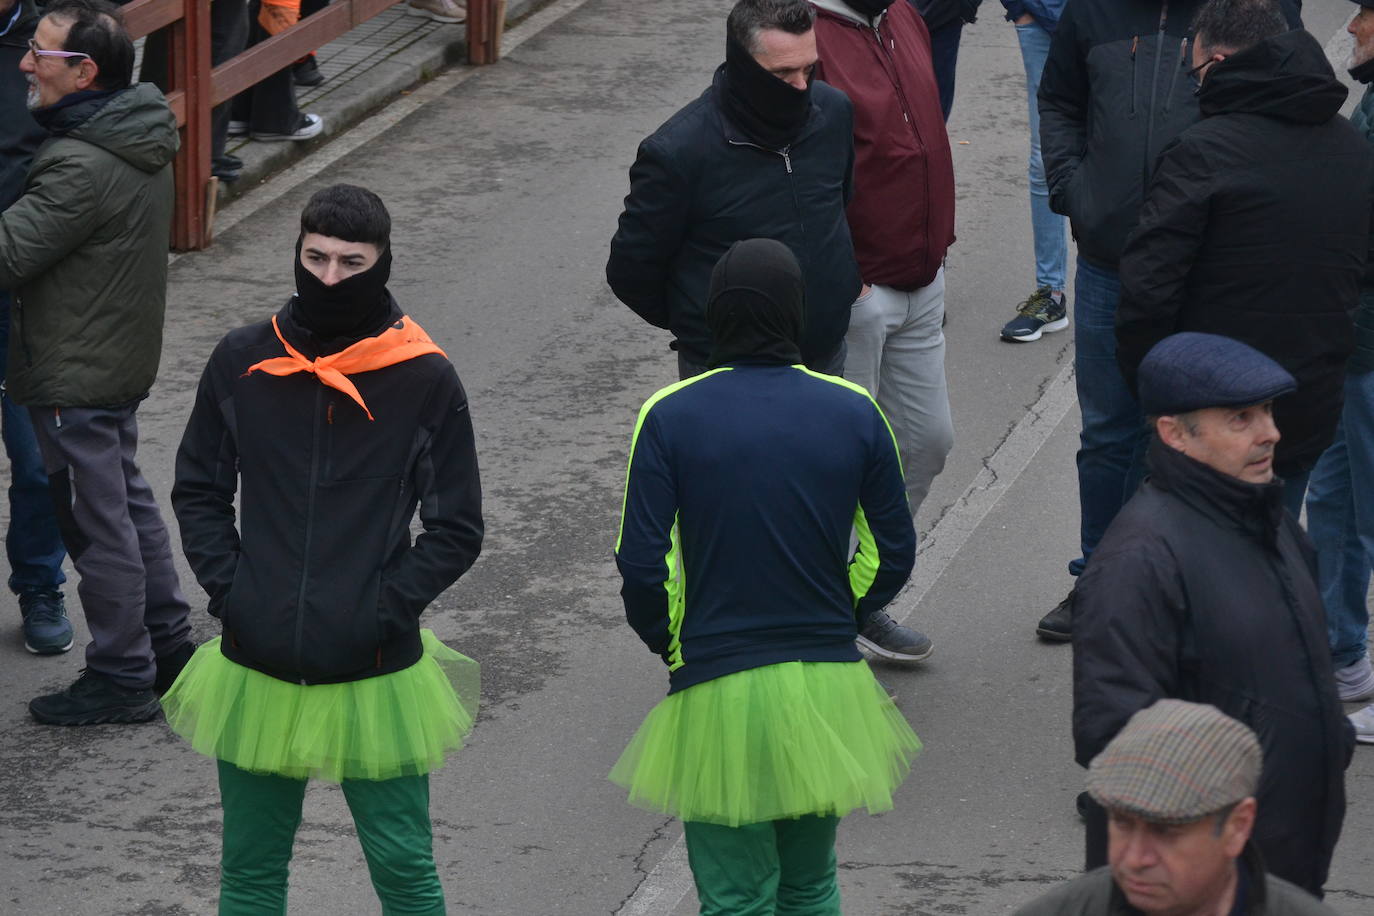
<point x="85" y="251"/>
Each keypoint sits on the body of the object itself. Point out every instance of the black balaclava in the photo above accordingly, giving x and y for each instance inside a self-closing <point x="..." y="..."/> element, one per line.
<point x="353" y="307"/>
<point x="754" y="309"/>
<point x="769" y="111"/>
<point x="869" y="8"/>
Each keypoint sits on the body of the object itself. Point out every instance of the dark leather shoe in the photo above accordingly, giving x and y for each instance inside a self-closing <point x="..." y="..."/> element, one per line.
<point x="1057" y="625"/>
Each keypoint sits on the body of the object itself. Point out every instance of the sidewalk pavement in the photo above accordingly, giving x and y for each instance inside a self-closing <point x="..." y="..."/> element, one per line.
<point x="364" y="69"/>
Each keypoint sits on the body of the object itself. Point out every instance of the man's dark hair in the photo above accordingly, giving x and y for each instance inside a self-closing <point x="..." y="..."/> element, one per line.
<point x="97" y="29"/>
<point x="749" y="17"/>
<point x="1232" y="26"/>
<point x="348" y="212"/>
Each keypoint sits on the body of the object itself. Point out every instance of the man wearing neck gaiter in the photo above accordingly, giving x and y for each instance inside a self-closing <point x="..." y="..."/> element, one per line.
<point x="764" y="152"/>
<point x="330" y="422"/>
<point x="742" y="487"/>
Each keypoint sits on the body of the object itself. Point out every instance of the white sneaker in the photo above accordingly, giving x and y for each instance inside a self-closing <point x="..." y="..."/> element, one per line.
<point x="309" y="126"/>
<point x="1364" y="725"/>
<point x="1355" y="682"/>
<point x="438" y="10"/>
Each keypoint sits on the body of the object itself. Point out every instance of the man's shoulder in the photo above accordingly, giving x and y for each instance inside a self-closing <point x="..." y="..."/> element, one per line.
<point x="1088" y="895"/>
<point x="1285" y="899"/>
<point x="688" y="121"/>
<point x="829" y="99"/>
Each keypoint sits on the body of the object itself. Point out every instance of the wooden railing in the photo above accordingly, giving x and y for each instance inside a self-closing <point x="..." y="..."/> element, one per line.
<point x="194" y="88"/>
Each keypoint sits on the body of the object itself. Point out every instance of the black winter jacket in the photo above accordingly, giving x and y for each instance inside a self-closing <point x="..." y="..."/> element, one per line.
<point x="319" y="582"/>
<point x="1257" y="227"/>
<point x="940" y="13"/>
<point x="1204" y="589"/>
<point x="20" y="134"/>
<point x="698" y="186"/>
<point x="1114" y="91"/>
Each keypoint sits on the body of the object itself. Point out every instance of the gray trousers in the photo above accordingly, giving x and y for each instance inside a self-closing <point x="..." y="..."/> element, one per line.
<point x="897" y="351"/>
<point x="116" y="538"/>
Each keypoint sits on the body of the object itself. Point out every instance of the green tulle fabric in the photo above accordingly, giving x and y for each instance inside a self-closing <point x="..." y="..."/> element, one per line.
<point x="400" y="724"/>
<point x="769" y="743"/>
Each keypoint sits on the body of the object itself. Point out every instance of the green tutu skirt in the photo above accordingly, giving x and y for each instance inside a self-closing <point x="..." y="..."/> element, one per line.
<point x="769" y="743"/>
<point x="400" y="724"/>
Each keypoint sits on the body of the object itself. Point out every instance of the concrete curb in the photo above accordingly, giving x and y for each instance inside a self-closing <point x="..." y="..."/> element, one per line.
<point x="344" y="103"/>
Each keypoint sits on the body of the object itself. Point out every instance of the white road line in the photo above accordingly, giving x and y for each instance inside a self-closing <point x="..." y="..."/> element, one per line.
<point x="370" y="128"/>
<point x="665" y="886"/>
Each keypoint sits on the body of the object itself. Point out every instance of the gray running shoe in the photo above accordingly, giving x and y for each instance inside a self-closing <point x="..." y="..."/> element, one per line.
<point x="886" y="638"/>
<point x="1364" y="725"/>
<point x="1355" y="682"/>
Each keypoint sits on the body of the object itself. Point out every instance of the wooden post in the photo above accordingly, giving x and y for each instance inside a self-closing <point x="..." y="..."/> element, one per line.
<point x="486" y="22"/>
<point x="189" y="52"/>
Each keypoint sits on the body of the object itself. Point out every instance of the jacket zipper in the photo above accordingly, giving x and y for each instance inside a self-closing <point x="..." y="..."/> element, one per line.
<point x="1154" y="90"/>
<point x="17" y="305"/>
<point x="906" y="113"/>
<point x="786" y="154"/>
<point x="1135" y="46"/>
<point x="309" y="530"/>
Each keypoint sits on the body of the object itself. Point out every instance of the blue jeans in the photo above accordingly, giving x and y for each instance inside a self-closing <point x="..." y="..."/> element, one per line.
<point x="32" y="541"/>
<point x="1051" y="241"/>
<point x="1111" y="451"/>
<point x="944" y="56"/>
<point x="1340" y="520"/>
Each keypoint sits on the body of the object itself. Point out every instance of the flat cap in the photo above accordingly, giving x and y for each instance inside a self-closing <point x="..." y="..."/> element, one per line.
<point x="1368" y="3"/>
<point x="1190" y="371"/>
<point x="1176" y="762"/>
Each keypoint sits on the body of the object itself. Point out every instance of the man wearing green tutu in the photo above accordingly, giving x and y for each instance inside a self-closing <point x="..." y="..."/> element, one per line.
<point x="331" y="422"/>
<point x="744" y="484"/>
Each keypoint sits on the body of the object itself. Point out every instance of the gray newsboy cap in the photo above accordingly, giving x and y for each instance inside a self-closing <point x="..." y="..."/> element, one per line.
<point x="1190" y="371"/>
<point x="1176" y="762"/>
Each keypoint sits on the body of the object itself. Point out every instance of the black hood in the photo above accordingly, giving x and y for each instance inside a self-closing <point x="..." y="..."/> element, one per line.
<point x="754" y="307"/>
<point x="1285" y="77"/>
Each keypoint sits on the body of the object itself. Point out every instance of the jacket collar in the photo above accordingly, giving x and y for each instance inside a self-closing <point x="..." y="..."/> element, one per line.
<point x="1251" y="865"/>
<point x="841" y="10"/>
<point x="311" y="346"/>
<point x="1254" y="509"/>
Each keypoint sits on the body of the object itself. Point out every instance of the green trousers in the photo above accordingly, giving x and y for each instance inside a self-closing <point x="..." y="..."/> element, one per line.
<point x="777" y="868"/>
<point x="262" y="812"/>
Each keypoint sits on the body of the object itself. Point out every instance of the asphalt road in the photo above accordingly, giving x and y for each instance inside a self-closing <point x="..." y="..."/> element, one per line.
<point x="505" y="186"/>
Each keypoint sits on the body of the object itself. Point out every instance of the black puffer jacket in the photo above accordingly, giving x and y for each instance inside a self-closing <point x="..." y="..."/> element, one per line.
<point x="319" y="582"/>
<point x="698" y="186"/>
<point x="1203" y="589"/>
<point x="1114" y="91"/>
<point x="1257" y="227"/>
<point x="20" y="134"/>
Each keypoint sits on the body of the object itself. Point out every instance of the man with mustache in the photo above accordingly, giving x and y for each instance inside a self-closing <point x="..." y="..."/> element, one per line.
<point x="1203" y="590"/>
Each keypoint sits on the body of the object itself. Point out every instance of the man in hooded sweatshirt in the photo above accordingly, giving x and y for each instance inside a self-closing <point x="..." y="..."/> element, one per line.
<point x="1256" y="224"/>
<point x="85" y="251"/>
<point x="764" y="152"/>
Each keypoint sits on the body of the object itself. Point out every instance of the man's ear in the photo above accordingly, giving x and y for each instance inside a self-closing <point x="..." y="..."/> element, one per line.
<point x="1236" y="831"/>
<point x="87" y="71"/>
<point x="1171" y="432"/>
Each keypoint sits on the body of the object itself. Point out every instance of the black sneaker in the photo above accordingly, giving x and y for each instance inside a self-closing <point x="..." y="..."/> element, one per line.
<point x="1057" y="625"/>
<point x="95" y="699"/>
<point x="306" y="72"/>
<point x="47" y="631"/>
<point x="1040" y="314"/>
<point x="887" y="638"/>
<point x="169" y="666"/>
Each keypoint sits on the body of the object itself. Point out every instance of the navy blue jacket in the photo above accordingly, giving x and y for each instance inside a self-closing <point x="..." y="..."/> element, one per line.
<point x="699" y="185"/>
<point x="743" y="487"/>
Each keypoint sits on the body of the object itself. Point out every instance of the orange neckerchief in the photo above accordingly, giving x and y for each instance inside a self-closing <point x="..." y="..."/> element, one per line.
<point x="392" y="346"/>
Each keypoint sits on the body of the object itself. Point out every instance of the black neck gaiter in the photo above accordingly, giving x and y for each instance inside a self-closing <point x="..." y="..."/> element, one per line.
<point x="754" y="308"/>
<point x="353" y="307"/>
<point x="869" y="8"/>
<point x="769" y="111"/>
<point x="1363" y="73"/>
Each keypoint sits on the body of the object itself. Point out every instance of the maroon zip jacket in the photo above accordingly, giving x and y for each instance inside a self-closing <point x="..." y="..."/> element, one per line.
<point x="902" y="212"/>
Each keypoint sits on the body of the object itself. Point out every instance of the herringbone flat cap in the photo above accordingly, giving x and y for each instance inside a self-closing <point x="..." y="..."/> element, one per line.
<point x="1176" y="762"/>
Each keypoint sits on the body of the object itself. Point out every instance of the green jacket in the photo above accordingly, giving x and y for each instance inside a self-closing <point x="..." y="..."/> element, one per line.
<point x="1096" y="894"/>
<point x="1363" y="358"/>
<point x="85" y="251"/>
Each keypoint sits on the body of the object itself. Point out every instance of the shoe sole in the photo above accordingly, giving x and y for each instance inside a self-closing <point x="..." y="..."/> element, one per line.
<point x="1053" y="635"/>
<point x="866" y="643"/>
<point x="446" y="20"/>
<point x="125" y="716"/>
<point x="54" y="651"/>
<point x="1364" y="739"/>
<point x="273" y="138"/>
<point x="1050" y="328"/>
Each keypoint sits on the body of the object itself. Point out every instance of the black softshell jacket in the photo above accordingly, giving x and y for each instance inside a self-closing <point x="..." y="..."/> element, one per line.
<point x="319" y="582"/>
<point x="1204" y="589"/>
<point x="1114" y="92"/>
<point x="1257" y="227"/>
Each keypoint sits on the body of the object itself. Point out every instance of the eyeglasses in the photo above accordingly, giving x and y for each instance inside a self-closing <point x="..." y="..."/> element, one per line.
<point x="38" y="52"/>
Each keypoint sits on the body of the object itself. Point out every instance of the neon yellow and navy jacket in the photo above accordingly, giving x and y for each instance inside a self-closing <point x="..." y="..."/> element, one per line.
<point x="743" y="487"/>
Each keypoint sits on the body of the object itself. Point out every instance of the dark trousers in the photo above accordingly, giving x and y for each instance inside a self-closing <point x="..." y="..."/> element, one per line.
<point x="118" y="542"/>
<point x="228" y="36"/>
<point x="33" y="543"/>
<point x="270" y="106"/>
<point x="944" y="53"/>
